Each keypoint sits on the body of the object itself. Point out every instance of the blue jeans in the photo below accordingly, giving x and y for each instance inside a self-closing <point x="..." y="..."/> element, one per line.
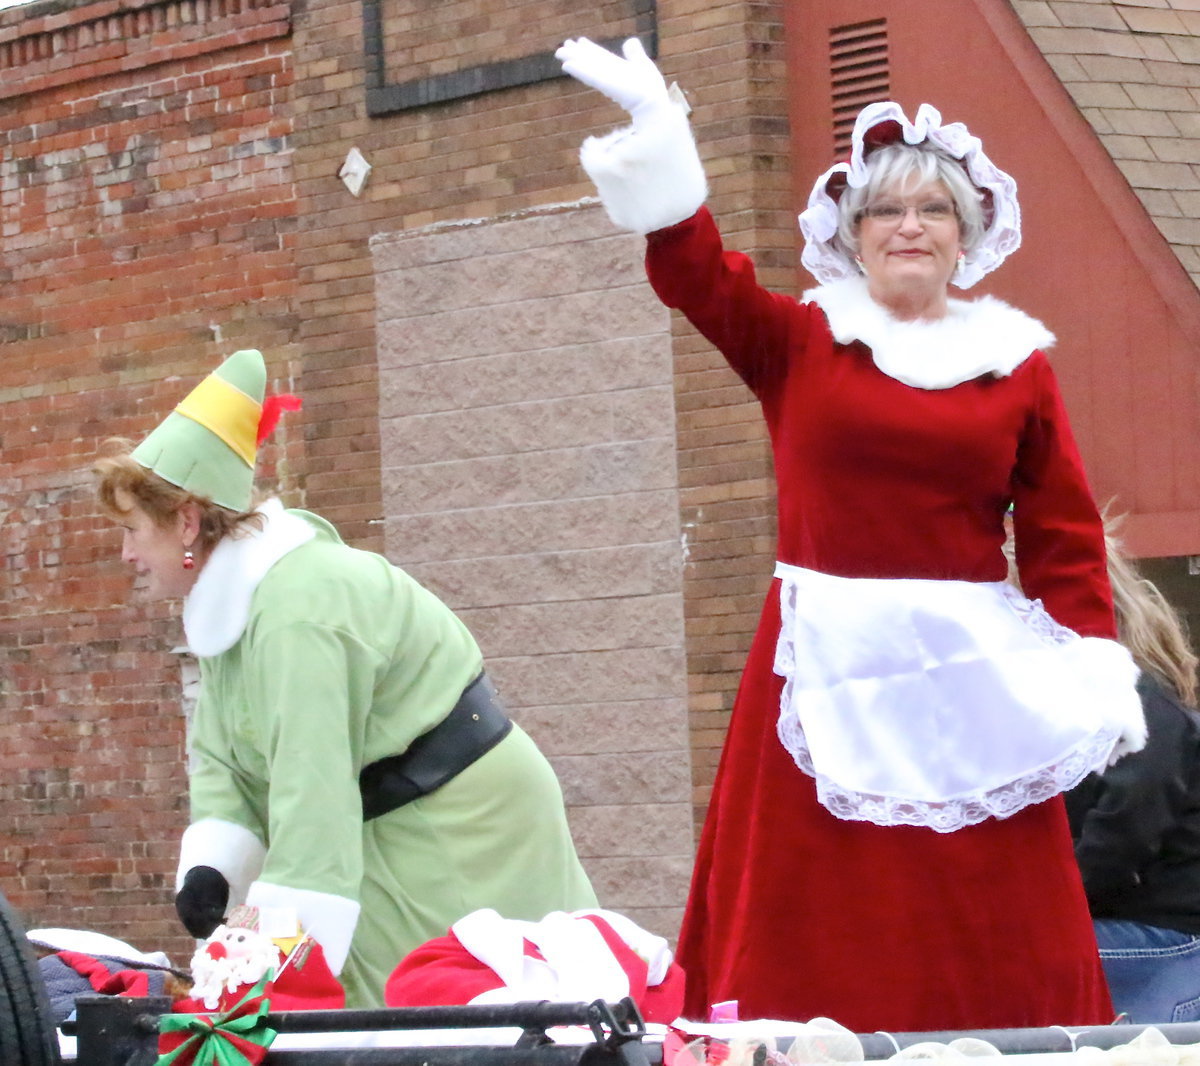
<point x="1153" y="974"/>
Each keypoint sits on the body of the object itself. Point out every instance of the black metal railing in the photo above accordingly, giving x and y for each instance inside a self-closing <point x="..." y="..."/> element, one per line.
<point x="123" y="1031"/>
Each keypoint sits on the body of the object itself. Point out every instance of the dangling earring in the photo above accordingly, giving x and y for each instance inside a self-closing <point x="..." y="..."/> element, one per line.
<point x="858" y="263"/>
<point x="958" y="267"/>
<point x="189" y="560"/>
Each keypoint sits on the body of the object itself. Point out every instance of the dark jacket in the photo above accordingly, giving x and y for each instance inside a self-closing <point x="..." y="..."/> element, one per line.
<point x="1137" y="826"/>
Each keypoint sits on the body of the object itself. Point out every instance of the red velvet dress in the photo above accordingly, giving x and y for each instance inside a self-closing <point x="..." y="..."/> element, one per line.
<point x="797" y="914"/>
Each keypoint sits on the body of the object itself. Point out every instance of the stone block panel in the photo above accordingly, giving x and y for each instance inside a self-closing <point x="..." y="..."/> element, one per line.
<point x="523" y="377"/>
<point x="530" y="478"/>
<point x="619" y="779"/>
<point x="575" y="625"/>
<point x="653" y="725"/>
<point x="520" y="326"/>
<point x="630" y="830"/>
<point x="539" y="425"/>
<point x="589" y="470"/>
<point x="645" y="882"/>
<point x="567" y="224"/>
<point x="523" y="529"/>
<point x="547" y="577"/>
<point x="483" y="282"/>
<point x="620" y="674"/>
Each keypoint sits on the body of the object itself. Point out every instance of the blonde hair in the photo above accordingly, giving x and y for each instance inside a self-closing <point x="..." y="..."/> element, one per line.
<point x="1147" y="624"/>
<point x="117" y="471"/>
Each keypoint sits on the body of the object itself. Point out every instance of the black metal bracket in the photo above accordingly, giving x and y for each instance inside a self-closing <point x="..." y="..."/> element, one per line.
<point x="623" y="1041"/>
<point x="384" y="97"/>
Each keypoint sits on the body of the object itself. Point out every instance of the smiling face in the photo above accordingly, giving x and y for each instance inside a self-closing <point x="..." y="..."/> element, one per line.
<point x="908" y="244"/>
<point x="155" y="551"/>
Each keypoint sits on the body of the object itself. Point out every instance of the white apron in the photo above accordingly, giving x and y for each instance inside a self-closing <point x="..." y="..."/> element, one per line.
<point x="941" y="703"/>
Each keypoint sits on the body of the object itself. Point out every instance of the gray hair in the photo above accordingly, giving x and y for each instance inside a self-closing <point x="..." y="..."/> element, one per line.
<point x="907" y="166"/>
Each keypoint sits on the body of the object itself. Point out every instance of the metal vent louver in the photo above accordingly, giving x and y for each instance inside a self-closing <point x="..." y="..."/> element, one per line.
<point x="858" y="64"/>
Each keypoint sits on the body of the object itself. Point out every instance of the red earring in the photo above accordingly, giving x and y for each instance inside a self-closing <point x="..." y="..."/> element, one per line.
<point x="189" y="561"/>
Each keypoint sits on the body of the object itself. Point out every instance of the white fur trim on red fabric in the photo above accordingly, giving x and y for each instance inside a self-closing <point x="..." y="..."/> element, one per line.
<point x="649" y="176"/>
<point x="227" y="847"/>
<point x="976" y="337"/>
<point x="330" y="920"/>
<point x="576" y="965"/>
<point x="653" y="949"/>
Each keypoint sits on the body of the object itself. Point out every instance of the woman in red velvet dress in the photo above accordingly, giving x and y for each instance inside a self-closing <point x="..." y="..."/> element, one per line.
<point x="886" y="843"/>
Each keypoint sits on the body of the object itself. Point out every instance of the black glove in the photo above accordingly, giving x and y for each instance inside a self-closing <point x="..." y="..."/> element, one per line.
<point x="201" y="902"/>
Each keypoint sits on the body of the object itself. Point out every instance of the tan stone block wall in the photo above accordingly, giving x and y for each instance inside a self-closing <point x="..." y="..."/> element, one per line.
<point x="527" y="431"/>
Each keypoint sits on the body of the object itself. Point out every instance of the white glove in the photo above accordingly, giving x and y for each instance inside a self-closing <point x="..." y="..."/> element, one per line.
<point x="633" y="82"/>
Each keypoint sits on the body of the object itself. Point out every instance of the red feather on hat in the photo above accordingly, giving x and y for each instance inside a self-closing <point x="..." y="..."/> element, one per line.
<point x="272" y="408"/>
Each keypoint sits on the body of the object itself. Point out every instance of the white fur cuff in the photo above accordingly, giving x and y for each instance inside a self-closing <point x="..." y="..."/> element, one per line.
<point x="330" y="920"/>
<point x="649" y="176"/>
<point x="227" y="847"/>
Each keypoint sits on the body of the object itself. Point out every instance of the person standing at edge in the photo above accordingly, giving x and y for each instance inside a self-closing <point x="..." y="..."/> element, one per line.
<point x="886" y="843"/>
<point x="349" y="757"/>
<point x="1136" y="826"/>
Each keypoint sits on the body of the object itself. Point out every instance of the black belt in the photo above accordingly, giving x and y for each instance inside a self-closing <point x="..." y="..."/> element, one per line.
<point x="475" y="725"/>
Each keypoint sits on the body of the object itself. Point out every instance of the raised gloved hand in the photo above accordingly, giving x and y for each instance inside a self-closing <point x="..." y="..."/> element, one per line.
<point x="633" y="82"/>
<point x="202" y="900"/>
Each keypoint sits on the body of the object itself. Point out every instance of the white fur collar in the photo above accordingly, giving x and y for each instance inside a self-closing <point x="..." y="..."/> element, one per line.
<point x="217" y="609"/>
<point x="983" y="336"/>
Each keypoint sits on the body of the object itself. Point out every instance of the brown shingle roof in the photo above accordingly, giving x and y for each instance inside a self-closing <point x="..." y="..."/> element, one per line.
<point x="1133" y="69"/>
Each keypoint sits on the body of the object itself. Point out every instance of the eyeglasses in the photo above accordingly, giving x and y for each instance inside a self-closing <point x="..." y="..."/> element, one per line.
<point x="894" y="212"/>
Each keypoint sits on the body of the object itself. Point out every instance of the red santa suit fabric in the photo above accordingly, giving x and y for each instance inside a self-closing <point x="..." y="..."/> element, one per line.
<point x="574" y="957"/>
<point x="793" y="912"/>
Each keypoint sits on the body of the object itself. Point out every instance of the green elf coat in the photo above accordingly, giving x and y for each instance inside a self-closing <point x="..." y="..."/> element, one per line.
<point x="317" y="659"/>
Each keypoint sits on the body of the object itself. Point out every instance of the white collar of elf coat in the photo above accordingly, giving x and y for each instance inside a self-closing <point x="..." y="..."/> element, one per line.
<point x="217" y="609"/>
<point x="886" y="123"/>
<point x="983" y="336"/>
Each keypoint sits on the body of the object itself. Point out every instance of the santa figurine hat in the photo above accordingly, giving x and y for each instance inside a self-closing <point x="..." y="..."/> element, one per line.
<point x="208" y="445"/>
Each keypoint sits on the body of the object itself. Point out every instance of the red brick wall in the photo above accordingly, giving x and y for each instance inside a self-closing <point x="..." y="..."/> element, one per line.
<point x="148" y="229"/>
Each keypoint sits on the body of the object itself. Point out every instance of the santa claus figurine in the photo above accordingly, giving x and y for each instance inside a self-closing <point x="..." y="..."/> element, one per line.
<point x="254" y="943"/>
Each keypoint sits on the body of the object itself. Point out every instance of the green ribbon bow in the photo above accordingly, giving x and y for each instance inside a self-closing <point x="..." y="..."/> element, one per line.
<point x="235" y="1038"/>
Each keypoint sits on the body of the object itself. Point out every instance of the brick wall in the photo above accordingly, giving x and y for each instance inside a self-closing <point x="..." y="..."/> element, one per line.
<point x="148" y="220"/>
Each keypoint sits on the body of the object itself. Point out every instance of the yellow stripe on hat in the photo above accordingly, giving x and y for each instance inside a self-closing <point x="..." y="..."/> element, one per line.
<point x="228" y="412"/>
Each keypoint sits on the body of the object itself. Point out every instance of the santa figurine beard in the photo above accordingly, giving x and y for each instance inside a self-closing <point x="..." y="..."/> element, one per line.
<point x="231" y="958"/>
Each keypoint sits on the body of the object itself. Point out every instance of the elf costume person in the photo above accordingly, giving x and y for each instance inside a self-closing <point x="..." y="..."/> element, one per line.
<point x="348" y="758"/>
<point x="886" y="844"/>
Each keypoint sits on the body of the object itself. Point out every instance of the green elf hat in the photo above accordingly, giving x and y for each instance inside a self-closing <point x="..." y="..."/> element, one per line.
<point x="209" y="443"/>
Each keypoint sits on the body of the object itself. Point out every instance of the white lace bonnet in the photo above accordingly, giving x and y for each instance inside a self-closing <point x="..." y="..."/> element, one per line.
<point x="885" y="123"/>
